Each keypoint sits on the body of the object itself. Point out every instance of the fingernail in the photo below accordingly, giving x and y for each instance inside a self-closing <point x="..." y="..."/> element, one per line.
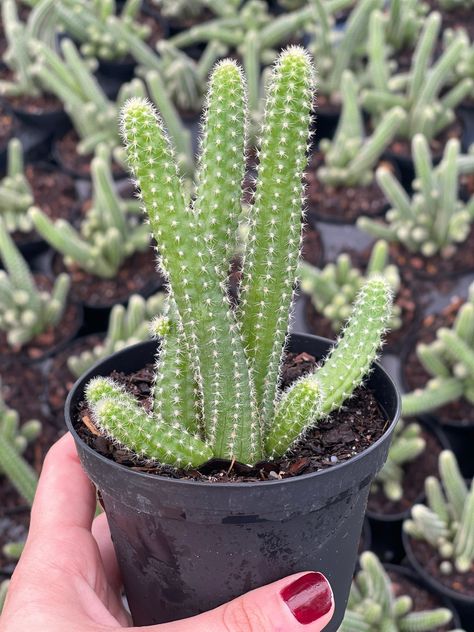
<point x="309" y="597"/>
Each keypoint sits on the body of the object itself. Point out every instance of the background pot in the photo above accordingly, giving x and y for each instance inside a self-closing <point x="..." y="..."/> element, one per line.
<point x="185" y="547"/>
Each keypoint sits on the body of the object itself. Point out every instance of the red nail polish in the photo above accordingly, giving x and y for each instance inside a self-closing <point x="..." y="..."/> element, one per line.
<point x="309" y="597"/>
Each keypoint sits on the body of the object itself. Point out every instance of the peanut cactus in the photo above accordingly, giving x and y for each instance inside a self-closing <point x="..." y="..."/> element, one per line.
<point x="111" y="232"/>
<point x="25" y="311"/>
<point x="403" y="22"/>
<point x="218" y="396"/>
<point x="16" y="195"/>
<point x="407" y="445"/>
<point x="187" y="9"/>
<point x="434" y="219"/>
<point x="373" y="606"/>
<point x="334" y="288"/>
<point x="450" y="362"/>
<point x="447" y="521"/>
<point x="127" y="326"/>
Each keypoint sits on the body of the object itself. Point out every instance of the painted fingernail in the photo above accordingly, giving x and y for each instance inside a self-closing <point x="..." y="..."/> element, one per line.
<point x="309" y="597"/>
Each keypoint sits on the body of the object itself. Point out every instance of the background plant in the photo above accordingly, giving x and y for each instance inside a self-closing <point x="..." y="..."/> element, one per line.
<point x="16" y="195"/>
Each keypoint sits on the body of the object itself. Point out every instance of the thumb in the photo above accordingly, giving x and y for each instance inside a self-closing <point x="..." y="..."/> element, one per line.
<point x="296" y="603"/>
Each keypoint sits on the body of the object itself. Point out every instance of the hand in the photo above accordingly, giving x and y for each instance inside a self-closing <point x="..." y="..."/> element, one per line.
<point x="68" y="578"/>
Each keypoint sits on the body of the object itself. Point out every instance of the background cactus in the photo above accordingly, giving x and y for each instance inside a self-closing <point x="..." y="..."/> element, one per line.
<point x="434" y="219"/>
<point x="450" y="360"/>
<point x="451" y="5"/>
<point x="186" y="9"/>
<point x="334" y="288"/>
<point x="26" y="311"/>
<point x="373" y="606"/>
<point x="127" y="326"/>
<point x="447" y="521"/>
<point x="16" y="195"/>
<point x="403" y="23"/>
<point x="110" y="233"/>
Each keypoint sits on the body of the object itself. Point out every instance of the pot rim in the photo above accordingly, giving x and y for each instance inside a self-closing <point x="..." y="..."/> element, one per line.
<point x="257" y="484"/>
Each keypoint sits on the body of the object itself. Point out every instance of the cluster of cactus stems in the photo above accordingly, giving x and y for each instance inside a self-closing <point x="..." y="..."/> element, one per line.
<point x="449" y="359"/>
<point x="16" y="195"/>
<point x="127" y="326"/>
<point x="420" y="92"/>
<point x="349" y="158"/>
<point x="403" y="22"/>
<point x="186" y="9"/>
<point x="446" y="522"/>
<point x="216" y="391"/>
<point x="373" y="606"/>
<point x="14" y="439"/>
<point x="111" y="232"/>
<point x="452" y="5"/>
<point x="434" y="219"/>
<point x="86" y="21"/>
<point x="25" y="311"/>
<point x="407" y="445"/>
<point x="334" y="288"/>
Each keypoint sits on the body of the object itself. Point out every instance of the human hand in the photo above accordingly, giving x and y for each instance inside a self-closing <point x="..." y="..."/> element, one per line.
<point x="67" y="579"/>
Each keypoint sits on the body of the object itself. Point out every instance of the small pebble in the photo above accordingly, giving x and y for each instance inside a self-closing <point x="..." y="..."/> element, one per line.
<point x="273" y="474"/>
<point x="334" y="459"/>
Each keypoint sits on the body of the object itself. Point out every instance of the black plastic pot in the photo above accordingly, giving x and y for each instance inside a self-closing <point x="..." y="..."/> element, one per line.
<point x="463" y="603"/>
<point x="55" y="121"/>
<point x="185" y="547"/>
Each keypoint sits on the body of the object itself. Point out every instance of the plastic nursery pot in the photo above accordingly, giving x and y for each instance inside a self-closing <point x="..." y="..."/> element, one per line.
<point x="386" y="529"/>
<point x="185" y="547"/>
<point x="44" y="121"/>
<point x="464" y="603"/>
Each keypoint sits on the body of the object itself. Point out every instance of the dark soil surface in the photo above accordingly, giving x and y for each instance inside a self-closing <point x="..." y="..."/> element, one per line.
<point x="53" y="337"/>
<point x="77" y="165"/>
<point x="344" y="434"/>
<point x="430" y="559"/>
<point x="7" y="127"/>
<point x="401" y="147"/>
<point x="415" y="474"/>
<point x="23" y="390"/>
<point x="341" y="204"/>
<point x="137" y="275"/>
<point x="312" y="249"/>
<point x="461" y="17"/>
<point x="327" y="107"/>
<point x="414" y="375"/>
<point x="422" y="598"/>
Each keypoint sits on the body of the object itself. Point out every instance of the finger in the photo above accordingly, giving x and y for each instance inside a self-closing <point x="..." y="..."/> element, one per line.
<point x="300" y="603"/>
<point x="65" y="497"/>
<point x="101" y="533"/>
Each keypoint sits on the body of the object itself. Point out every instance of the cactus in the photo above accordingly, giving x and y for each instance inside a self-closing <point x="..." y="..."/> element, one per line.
<point x="334" y="288"/>
<point x="87" y="23"/>
<point x="450" y="361"/>
<point x="403" y="22"/>
<point x="446" y="523"/>
<point x="110" y="233"/>
<point x="25" y="311"/>
<point x="16" y="195"/>
<point x="373" y="606"/>
<point x="350" y="158"/>
<point x="434" y="220"/>
<point x="407" y="445"/>
<point x="452" y="5"/>
<point x="13" y="442"/>
<point x="188" y="9"/>
<point x="127" y="326"/>
<point x="419" y="91"/>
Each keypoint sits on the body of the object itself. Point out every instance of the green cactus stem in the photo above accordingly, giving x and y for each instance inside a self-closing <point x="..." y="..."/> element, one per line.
<point x="16" y="195"/>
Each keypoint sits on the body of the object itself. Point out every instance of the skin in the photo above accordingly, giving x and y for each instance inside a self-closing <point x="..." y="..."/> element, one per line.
<point x="68" y="578"/>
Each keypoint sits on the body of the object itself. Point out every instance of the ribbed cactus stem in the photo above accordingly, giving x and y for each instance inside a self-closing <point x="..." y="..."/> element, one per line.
<point x="19" y="472"/>
<point x="437" y="393"/>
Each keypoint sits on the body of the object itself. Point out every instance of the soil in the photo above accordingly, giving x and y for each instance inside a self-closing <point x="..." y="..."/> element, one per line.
<point x="136" y="275"/>
<point x="7" y="127"/>
<point x="422" y="598"/>
<point x="39" y="104"/>
<point x="14" y="523"/>
<point x="401" y="147"/>
<point x="77" y="165"/>
<point x="325" y="106"/>
<point x="23" y="390"/>
<point x="414" y="375"/>
<point x="45" y="343"/>
<point x="344" y="434"/>
<point x="461" y="17"/>
<point x="341" y="204"/>
<point x="312" y="249"/>
<point x="430" y="559"/>
<point x="415" y="473"/>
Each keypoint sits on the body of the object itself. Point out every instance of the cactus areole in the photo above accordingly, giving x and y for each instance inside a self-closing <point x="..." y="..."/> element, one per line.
<point x="216" y="390"/>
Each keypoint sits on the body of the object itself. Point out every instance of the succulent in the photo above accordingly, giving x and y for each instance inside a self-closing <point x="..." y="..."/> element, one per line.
<point x="407" y="445"/>
<point x="450" y="361"/>
<point x="350" y="158"/>
<point x="420" y="91"/>
<point x="452" y="5"/>
<point x="16" y="195"/>
<point x="186" y="9"/>
<point x="127" y="326"/>
<point x="446" y="522"/>
<point x="334" y="288"/>
<point x="217" y="375"/>
<point x="434" y="219"/>
<point x="25" y="311"/>
<point x="86" y="21"/>
<point x="403" y="22"/>
<point x="373" y="606"/>
<point x="111" y="231"/>
<point x="13" y="442"/>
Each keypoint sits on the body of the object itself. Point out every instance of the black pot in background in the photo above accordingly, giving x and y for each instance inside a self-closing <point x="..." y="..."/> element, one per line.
<point x="386" y="529"/>
<point x="185" y="547"/>
<point x="463" y="603"/>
